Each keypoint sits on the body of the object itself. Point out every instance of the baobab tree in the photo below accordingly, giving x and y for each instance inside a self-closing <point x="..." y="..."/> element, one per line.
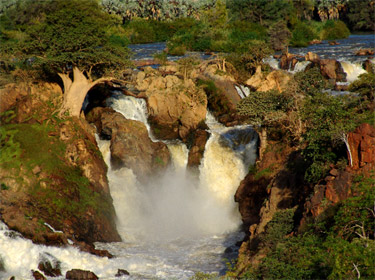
<point x="71" y="39"/>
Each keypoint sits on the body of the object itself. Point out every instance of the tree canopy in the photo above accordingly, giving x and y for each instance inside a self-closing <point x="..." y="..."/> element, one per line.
<point x="55" y="36"/>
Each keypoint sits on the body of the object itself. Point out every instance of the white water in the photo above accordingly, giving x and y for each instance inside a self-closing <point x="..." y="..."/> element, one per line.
<point x="171" y="227"/>
<point x="352" y="70"/>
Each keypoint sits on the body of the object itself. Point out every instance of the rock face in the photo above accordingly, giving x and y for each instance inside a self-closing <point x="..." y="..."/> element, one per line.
<point x="130" y="144"/>
<point x="175" y="105"/>
<point x="64" y="184"/>
<point x="288" y="61"/>
<point x="362" y="145"/>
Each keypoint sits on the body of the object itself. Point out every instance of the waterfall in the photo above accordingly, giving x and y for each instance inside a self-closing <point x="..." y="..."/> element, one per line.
<point x="175" y="204"/>
<point x="172" y="226"/>
<point x="300" y="66"/>
<point x="352" y="70"/>
<point x="242" y="91"/>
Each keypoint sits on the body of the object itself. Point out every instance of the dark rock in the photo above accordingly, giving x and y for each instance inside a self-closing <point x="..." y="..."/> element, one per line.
<point x="78" y="274"/>
<point x="91" y="249"/>
<point x="38" y="276"/>
<point x="196" y="151"/>
<point x="49" y="265"/>
<point x="122" y="272"/>
<point x="369" y="66"/>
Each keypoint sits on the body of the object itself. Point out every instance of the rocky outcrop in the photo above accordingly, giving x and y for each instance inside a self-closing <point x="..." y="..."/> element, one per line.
<point x="54" y="187"/>
<point x="337" y="185"/>
<point x="288" y="61"/>
<point x="175" y="105"/>
<point x="362" y="145"/>
<point x="277" y="80"/>
<point x="196" y="151"/>
<point x="330" y="68"/>
<point x="131" y="146"/>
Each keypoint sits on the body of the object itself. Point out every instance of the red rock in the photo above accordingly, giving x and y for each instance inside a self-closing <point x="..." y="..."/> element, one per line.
<point x="38" y="276"/>
<point x="362" y="145"/>
<point x="334" y="172"/>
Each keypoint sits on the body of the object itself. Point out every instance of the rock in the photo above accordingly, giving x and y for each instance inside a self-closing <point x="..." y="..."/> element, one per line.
<point x="287" y="61"/>
<point x="78" y="274"/>
<point x="122" y="272"/>
<point x="175" y="107"/>
<point x="369" y="66"/>
<point x="199" y="140"/>
<point x="256" y="80"/>
<point x="334" y="172"/>
<point x="333" y="43"/>
<point x="49" y="265"/>
<point x="313" y="57"/>
<point x="277" y="80"/>
<point x="341" y="87"/>
<point x="362" y="145"/>
<point x="131" y="145"/>
<point x="38" y="276"/>
<point x="332" y="69"/>
<point x="364" y="52"/>
<point x="36" y="170"/>
<point x="315" y="41"/>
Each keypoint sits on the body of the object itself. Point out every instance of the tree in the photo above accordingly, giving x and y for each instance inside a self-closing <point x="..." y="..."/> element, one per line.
<point x="71" y="38"/>
<point x="279" y="36"/>
<point x="263" y="110"/>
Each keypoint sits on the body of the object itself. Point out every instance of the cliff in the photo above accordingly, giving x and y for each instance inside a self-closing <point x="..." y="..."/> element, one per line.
<point x="54" y="186"/>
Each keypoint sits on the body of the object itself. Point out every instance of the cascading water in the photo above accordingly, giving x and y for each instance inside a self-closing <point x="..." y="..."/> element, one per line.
<point x="352" y="70"/>
<point x="172" y="227"/>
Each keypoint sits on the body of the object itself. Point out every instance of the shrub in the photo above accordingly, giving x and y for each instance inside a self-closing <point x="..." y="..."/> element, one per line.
<point x="333" y="30"/>
<point x="302" y="35"/>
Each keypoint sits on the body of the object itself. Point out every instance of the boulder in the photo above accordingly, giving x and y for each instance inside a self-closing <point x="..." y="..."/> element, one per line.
<point x="277" y="80"/>
<point x="175" y="107"/>
<point x="364" y="52"/>
<point x="49" y="265"/>
<point x="369" y="65"/>
<point x="78" y="274"/>
<point x="256" y="80"/>
<point x="131" y="145"/>
<point x="196" y="151"/>
<point x="332" y="69"/>
<point x="313" y="57"/>
<point x="38" y="276"/>
<point x="122" y="272"/>
<point x="288" y="61"/>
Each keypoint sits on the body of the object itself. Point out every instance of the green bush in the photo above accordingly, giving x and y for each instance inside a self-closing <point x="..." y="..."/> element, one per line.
<point x="302" y="35"/>
<point x="333" y="30"/>
<point x="140" y="31"/>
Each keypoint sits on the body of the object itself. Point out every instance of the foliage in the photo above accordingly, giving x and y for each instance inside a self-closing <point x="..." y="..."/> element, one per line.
<point x="56" y="35"/>
<point x="262" y="11"/>
<point x="263" y="108"/>
<point x="335" y="30"/>
<point x="339" y="245"/>
<point x="360" y="15"/>
<point x="279" y="36"/>
<point x="302" y="35"/>
<point x="364" y="86"/>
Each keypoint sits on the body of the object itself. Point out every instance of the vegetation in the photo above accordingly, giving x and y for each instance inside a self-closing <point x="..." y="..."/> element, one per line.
<point x="61" y="37"/>
<point x="339" y="244"/>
